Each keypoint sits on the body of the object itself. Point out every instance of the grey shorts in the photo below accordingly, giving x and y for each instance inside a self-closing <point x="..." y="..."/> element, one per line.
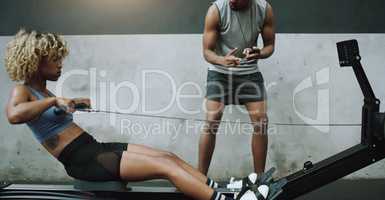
<point x="235" y="89"/>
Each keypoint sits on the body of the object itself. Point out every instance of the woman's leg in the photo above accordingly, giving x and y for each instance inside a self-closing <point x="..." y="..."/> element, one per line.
<point x="141" y="149"/>
<point x="140" y="167"/>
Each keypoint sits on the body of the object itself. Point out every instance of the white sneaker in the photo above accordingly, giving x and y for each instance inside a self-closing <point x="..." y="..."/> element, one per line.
<point x="250" y="195"/>
<point x="234" y="184"/>
<point x="238" y="184"/>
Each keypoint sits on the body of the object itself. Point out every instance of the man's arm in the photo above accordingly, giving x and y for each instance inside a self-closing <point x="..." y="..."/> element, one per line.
<point x="210" y="37"/>
<point x="268" y="36"/>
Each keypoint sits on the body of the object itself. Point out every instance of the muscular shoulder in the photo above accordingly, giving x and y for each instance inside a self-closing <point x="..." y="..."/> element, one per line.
<point x="269" y="15"/>
<point x="220" y="3"/>
<point x="212" y="17"/>
<point x="262" y="3"/>
<point x="213" y="11"/>
<point x="21" y="91"/>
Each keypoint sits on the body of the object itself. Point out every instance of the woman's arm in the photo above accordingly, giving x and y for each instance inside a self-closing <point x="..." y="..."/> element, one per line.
<point x="21" y="109"/>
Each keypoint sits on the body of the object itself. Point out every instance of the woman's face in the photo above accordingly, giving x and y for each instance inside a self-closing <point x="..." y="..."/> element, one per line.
<point x="50" y="69"/>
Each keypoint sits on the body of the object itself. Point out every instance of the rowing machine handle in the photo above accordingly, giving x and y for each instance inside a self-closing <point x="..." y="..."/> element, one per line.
<point x="62" y="110"/>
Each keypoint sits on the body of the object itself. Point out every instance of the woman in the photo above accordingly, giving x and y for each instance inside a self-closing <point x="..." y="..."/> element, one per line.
<point x="35" y="58"/>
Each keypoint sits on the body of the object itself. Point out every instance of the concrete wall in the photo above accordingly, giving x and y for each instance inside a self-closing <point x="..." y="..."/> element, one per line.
<point x="93" y="17"/>
<point x="305" y="85"/>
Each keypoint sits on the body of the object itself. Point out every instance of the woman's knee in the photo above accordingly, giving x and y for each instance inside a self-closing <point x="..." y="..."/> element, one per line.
<point x="171" y="156"/>
<point x="168" y="167"/>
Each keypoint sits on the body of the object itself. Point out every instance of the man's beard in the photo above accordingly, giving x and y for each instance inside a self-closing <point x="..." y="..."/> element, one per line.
<point x="238" y="6"/>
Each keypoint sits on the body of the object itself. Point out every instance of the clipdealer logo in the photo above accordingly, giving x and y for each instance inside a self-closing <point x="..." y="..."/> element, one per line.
<point x="323" y="99"/>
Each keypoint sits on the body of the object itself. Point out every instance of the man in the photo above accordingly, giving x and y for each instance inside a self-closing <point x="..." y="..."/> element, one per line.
<point x="230" y="38"/>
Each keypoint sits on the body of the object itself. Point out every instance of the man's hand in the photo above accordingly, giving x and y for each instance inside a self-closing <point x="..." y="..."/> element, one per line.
<point x="253" y="53"/>
<point x="230" y="60"/>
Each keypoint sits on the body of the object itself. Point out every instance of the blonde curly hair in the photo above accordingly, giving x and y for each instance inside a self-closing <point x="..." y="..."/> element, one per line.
<point x="25" y="51"/>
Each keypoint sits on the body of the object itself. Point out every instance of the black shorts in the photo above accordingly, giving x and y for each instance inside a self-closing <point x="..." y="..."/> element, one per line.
<point x="235" y="89"/>
<point x="87" y="159"/>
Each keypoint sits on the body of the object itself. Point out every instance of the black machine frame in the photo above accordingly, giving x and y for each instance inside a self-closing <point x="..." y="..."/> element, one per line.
<point x="370" y="150"/>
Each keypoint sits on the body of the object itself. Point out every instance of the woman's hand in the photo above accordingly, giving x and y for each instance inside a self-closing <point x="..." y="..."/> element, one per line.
<point x="67" y="105"/>
<point x="82" y="103"/>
